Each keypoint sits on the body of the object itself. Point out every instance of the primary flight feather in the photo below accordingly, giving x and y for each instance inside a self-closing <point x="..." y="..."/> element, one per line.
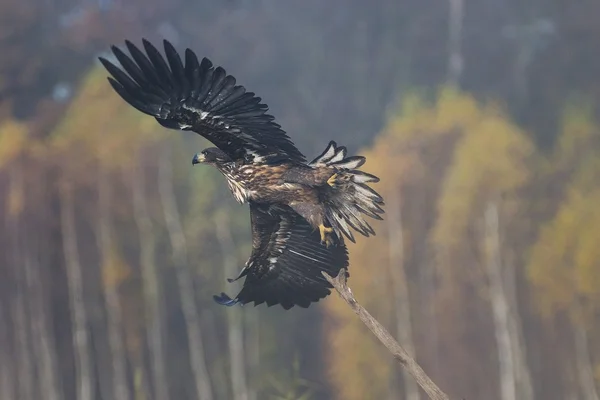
<point x="300" y="212"/>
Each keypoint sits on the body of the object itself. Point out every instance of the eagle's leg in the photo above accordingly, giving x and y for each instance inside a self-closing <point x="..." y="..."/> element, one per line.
<point x="339" y="178"/>
<point x="314" y="213"/>
<point x="332" y="179"/>
<point x="326" y="232"/>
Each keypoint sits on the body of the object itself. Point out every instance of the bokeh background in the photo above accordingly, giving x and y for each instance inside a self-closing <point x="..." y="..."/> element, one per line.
<point x="480" y="117"/>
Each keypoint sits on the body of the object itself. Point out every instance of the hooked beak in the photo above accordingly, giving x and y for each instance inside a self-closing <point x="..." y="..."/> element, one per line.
<point x="198" y="158"/>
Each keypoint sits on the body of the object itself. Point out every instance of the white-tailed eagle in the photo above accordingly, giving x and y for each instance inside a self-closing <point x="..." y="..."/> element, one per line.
<point x="300" y="211"/>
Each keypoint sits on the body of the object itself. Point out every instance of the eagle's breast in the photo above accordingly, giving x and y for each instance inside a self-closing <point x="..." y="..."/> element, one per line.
<point x="257" y="182"/>
<point x="237" y="180"/>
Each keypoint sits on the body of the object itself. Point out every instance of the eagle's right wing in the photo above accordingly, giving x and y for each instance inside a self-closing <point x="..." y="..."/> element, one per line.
<point x="286" y="261"/>
<point x="201" y="98"/>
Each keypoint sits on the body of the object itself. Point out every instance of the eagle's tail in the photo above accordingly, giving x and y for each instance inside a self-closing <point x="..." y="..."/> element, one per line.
<point x="347" y="197"/>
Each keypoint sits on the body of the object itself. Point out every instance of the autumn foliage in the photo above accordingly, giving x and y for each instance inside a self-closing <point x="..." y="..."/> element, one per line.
<point x="486" y="267"/>
<point x="464" y="179"/>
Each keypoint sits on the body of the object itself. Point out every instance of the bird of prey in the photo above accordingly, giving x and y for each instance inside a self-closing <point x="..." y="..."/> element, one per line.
<point x="300" y="211"/>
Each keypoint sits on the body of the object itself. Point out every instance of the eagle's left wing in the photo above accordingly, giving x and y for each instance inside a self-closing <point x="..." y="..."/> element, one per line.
<point x="197" y="96"/>
<point x="286" y="261"/>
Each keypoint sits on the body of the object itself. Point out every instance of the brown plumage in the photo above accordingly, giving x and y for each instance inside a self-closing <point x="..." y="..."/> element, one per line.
<point x="300" y="212"/>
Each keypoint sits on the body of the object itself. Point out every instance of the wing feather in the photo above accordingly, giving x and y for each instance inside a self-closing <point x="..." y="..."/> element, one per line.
<point x="130" y="67"/>
<point x="237" y="93"/>
<point x="175" y="64"/>
<point x="194" y="95"/>
<point x="286" y="261"/>
<point x="145" y="65"/>
<point x="158" y="62"/>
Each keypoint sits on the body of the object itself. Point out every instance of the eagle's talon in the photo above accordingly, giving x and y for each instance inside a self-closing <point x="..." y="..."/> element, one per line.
<point x="332" y="179"/>
<point x="325" y="232"/>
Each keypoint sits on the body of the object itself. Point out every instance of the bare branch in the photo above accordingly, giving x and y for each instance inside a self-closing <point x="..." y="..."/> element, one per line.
<point x="339" y="283"/>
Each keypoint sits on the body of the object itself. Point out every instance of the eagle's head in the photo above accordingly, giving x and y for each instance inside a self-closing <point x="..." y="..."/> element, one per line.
<point x="212" y="155"/>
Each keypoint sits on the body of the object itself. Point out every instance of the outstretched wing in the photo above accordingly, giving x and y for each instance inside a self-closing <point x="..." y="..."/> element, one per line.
<point x="198" y="97"/>
<point x="286" y="261"/>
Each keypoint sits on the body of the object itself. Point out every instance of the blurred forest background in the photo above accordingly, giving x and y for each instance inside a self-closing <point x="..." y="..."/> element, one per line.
<point x="480" y="117"/>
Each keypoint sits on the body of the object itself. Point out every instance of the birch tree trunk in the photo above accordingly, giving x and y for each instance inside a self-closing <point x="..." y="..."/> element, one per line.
<point x="25" y="366"/>
<point x="36" y="250"/>
<point x="19" y="308"/>
<point x="455" y="26"/>
<point x="20" y="317"/>
<point x="43" y="342"/>
<point x="523" y="378"/>
<point x="120" y="390"/>
<point x="184" y="278"/>
<point x="400" y="288"/>
<point x="515" y="376"/>
<point x="7" y="373"/>
<point x="585" y="367"/>
<point x="102" y="354"/>
<point x="141" y="386"/>
<point x="252" y="346"/>
<point x="79" y="318"/>
<point x="152" y="290"/>
<point x="499" y="302"/>
<point x="236" y="334"/>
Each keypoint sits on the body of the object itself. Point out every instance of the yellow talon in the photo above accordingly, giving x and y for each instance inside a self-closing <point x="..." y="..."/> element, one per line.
<point x="332" y="179"/>
<point x="326" y="235"/>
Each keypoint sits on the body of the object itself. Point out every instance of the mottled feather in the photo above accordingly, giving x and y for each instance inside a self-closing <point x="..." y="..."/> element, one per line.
<point x="286" y="262"/>
<point x="300" y="213"/>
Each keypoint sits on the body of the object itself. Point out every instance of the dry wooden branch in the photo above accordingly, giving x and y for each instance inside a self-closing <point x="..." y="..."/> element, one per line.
<point x="339" y="283"/>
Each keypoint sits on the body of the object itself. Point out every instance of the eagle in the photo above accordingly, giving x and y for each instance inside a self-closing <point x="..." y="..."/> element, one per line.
<point x="300" y="212"/>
